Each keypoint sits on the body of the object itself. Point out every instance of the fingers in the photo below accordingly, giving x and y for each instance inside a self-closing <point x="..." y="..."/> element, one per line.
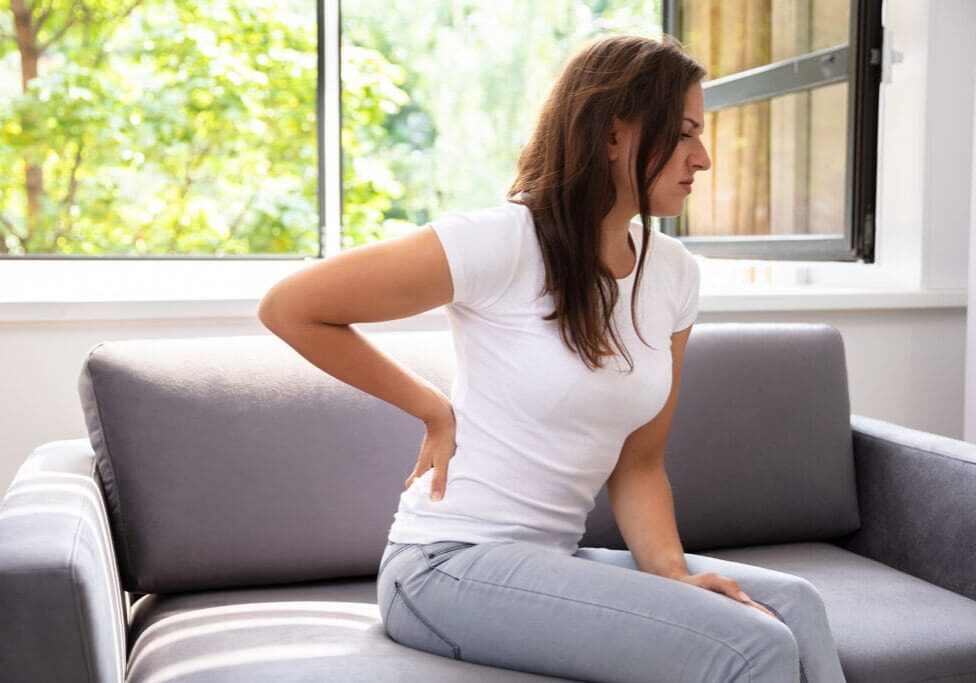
<point x="752" y="603"/>
<point x="438" y="483"/>
<point x="408" y="482"/>
<point x="762" y="608"/>
<point x="436" y="450"/>
<point x="731" y="588"/>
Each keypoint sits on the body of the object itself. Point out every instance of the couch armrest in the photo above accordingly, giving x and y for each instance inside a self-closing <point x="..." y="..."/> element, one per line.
<point x="916" y="493"/>
<point x="64" y="615"/>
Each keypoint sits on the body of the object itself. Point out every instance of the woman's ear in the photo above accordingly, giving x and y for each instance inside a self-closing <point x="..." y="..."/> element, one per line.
<point x="613" y="139"/>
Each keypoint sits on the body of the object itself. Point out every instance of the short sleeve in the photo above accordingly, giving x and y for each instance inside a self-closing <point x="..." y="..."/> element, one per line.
<point x="691" y="283"/>
<point x="482" y="249"/>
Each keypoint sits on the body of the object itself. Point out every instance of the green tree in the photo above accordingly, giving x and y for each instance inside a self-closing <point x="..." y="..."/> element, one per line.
<point x="162" y="127"/>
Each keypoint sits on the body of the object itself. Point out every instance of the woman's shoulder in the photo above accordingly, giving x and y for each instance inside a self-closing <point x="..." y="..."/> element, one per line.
<point x="484" y="247"/>
<point x="510" y="215"/>
<point x="668" y="253"/>
<point x="669" y="246"/>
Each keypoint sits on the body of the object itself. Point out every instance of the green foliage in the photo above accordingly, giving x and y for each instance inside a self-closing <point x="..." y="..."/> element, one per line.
<point x="166" y="127"/>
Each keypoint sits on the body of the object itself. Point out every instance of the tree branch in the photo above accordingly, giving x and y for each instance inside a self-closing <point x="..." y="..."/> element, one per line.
<point x="192" y="161"/>
<point x="236" y="223"/>
<point x="126" y="12"/>
<point x="69" y="197"/>
<point x="44" y="16"/>
<point x="41" y="48"/>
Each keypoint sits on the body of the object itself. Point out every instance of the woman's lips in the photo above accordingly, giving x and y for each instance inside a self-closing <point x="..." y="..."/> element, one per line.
<point x="687" y="186"/>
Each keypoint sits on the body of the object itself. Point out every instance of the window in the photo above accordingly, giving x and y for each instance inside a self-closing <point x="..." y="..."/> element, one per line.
<point x="260" y="129"/>
<point x="791" y="105"/>
<point x="158" y="128"/>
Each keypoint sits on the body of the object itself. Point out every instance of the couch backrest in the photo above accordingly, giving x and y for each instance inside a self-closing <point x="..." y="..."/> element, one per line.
<point x="760" y="449"/>
<point x="233" y="461"/>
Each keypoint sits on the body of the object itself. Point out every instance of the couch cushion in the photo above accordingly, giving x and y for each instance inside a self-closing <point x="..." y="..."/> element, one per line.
<point x="323" y="631"/>
<point x="760" y="450"/>
<point x="233" y="461"/>
<point x="887" y="625"/>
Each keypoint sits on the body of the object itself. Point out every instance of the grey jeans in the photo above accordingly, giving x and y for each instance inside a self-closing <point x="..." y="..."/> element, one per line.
<point x="595" y="616"/>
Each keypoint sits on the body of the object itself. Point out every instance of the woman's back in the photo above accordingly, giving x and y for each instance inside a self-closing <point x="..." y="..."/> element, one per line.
<point x="538" y="433"/>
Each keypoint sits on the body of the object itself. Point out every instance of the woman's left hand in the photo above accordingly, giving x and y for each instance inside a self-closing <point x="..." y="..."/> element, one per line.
<point x="724" y="585"/>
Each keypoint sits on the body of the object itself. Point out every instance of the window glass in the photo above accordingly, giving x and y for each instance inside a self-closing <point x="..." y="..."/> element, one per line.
<point x="778" y="167"/>
<point x="434" y="117"/>
<point x="729" y="36"/>
<point x="159" y="128"/>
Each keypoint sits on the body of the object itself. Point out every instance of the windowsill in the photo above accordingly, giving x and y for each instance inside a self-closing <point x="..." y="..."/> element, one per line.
<point x="51" y="291"/>
<point x="799" y="298"/>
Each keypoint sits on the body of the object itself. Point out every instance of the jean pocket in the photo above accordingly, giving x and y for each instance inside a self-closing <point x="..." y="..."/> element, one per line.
<point x="440" y="553"/>
<point x="432" y="550"/>
<point x="407" y="625"/>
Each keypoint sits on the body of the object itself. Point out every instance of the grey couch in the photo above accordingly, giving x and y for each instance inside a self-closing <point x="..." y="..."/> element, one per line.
<point x="225" y="518"/>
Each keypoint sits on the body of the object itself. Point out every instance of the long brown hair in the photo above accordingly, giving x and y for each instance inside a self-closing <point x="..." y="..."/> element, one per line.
<point x="563" y="173"/>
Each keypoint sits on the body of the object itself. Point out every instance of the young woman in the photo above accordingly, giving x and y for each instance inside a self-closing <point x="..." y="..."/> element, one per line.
<point x="570" y="323"/>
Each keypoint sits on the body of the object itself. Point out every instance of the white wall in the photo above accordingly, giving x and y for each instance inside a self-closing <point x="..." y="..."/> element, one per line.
<point x="969" y="402"/>
<point x="894" y="373"/>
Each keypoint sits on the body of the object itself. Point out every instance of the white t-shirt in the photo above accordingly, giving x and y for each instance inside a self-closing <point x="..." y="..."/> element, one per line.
<point x="538" y="433"/>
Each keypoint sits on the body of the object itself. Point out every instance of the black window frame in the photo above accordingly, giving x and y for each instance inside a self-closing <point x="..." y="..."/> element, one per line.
<point x="859" y="63"/>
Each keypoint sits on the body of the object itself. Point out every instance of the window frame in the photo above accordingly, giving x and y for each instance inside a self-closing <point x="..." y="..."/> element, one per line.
<point x="863" y="75"/>
<point x="859" y="63"/>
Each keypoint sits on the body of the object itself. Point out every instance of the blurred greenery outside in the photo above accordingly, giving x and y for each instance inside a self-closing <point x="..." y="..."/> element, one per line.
<point x="157" y="127"/>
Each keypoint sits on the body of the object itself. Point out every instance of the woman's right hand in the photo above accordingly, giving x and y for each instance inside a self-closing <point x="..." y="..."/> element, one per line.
<point x="436" y="450"/>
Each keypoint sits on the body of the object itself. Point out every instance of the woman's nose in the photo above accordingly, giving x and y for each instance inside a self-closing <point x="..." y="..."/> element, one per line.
<point x="701" y="161"/>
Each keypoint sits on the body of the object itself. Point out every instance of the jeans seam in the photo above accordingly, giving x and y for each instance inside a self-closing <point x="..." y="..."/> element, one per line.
<point x="803" y="674"/>
<point x="429" y="556"/>
<point x="417" y="613"/>
<point x="389" y="609"/>
<point x="391" y="556"/>
<point x="623" y="611"/>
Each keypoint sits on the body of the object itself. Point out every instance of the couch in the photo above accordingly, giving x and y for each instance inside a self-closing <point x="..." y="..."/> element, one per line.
<point x="225" y="516"/>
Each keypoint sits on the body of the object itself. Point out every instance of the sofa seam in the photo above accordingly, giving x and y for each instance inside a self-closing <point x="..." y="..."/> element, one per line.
<point x="939" y="678"/>
<point x="111" y="466"/>
<point x="617" y="609"/>
<point x="928" y="451"/>
<point x="73" y="586"/>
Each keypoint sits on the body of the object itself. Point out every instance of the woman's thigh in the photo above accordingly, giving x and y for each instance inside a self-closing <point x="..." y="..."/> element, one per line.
<point x="795" y="601"/>
<point x="520" y="606"/>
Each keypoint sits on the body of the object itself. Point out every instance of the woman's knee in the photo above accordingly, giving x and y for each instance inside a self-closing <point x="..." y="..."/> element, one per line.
<point x="800" y="598"/>
<point x="776" y="654"/>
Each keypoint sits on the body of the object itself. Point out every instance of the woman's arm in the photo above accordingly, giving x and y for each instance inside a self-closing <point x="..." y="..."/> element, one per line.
<point x="640" y="493"/>
<point x="312" y="309"/>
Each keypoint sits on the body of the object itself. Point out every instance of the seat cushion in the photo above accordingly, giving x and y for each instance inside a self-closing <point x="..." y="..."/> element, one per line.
<point x="322" y="631"/>
<point x="887" y="625"/>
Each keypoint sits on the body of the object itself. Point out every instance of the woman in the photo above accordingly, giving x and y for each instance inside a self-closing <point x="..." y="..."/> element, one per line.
<point x="570" y="324"/>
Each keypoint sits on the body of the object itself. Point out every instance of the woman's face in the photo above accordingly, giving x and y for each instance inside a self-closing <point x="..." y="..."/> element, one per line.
<point x="668" y="192"/>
